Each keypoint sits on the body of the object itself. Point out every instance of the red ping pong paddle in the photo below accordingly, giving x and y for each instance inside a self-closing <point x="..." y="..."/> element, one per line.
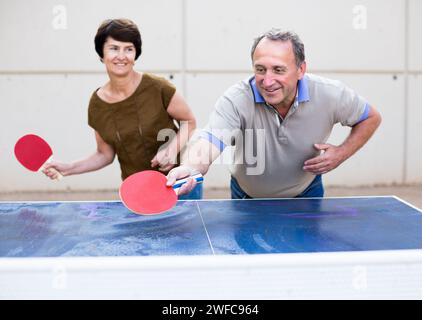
<point x="33" y="152"/>
<point x="146" y="192"/>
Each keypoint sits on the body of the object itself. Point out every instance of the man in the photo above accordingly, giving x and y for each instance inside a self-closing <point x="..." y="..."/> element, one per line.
<point x="281" y="118"/>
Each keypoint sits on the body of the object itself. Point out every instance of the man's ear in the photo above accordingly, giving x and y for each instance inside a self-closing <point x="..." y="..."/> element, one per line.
<point x="301" y="70"/>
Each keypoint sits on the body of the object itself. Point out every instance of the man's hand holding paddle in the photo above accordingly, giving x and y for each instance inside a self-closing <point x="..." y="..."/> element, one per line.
<point x="180" y="173"/>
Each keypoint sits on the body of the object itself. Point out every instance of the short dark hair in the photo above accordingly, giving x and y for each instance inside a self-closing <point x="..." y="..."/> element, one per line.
<point x="123" y="30"/>
<point x="284" y="36"/>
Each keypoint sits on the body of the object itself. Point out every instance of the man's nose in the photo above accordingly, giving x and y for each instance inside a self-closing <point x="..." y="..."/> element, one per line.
<point x="268" y="80"/>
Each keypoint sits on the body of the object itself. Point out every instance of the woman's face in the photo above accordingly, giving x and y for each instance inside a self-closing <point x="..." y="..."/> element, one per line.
<point x="119" y="57"/>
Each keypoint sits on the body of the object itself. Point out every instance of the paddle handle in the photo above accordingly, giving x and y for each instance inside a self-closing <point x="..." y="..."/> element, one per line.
<point x="59" y="175"/>
<point x="198" y="177"/>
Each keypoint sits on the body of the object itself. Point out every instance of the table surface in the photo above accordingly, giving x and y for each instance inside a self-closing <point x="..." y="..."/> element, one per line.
<point x="209" y="227"/>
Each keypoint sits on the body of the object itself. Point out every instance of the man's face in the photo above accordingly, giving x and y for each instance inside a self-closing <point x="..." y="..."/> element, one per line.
<point x="276" y="72"/>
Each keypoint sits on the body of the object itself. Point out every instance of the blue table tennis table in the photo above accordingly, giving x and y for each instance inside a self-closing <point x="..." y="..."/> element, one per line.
<point x="357" y="247"/>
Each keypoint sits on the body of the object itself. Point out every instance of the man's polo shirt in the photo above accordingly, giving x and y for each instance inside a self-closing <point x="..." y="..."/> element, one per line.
<point x="270" y="151"/>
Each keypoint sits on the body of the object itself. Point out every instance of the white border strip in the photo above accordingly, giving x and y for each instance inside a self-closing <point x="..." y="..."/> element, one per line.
<point x="203" y="200"/>
<point x="407" y="203"/>
<point x="410" y="256"/>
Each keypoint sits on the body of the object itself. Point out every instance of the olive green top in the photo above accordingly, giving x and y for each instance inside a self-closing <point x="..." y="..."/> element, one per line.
<point x="131" y="126"/>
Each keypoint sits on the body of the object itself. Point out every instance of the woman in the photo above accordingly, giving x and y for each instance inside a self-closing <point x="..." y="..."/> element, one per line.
<point x="133" y="112"/>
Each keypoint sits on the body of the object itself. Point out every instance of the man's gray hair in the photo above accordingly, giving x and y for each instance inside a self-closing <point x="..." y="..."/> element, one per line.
<point x="284" y="36"/>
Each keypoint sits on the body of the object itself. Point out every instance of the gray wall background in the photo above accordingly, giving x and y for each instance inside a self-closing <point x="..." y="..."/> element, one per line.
<point x="49" y="69"/>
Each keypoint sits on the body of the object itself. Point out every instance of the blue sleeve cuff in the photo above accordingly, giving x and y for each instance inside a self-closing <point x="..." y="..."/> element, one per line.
<point x="213" y="139"/>
<point x="364" y="115"/>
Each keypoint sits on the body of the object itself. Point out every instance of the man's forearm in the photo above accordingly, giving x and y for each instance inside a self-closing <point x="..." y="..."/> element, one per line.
<point x="360" y="134"/>
<point x="200" y="155"/>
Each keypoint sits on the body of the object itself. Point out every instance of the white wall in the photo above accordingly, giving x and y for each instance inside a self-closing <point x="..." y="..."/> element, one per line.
<point x="47" y="74"/>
